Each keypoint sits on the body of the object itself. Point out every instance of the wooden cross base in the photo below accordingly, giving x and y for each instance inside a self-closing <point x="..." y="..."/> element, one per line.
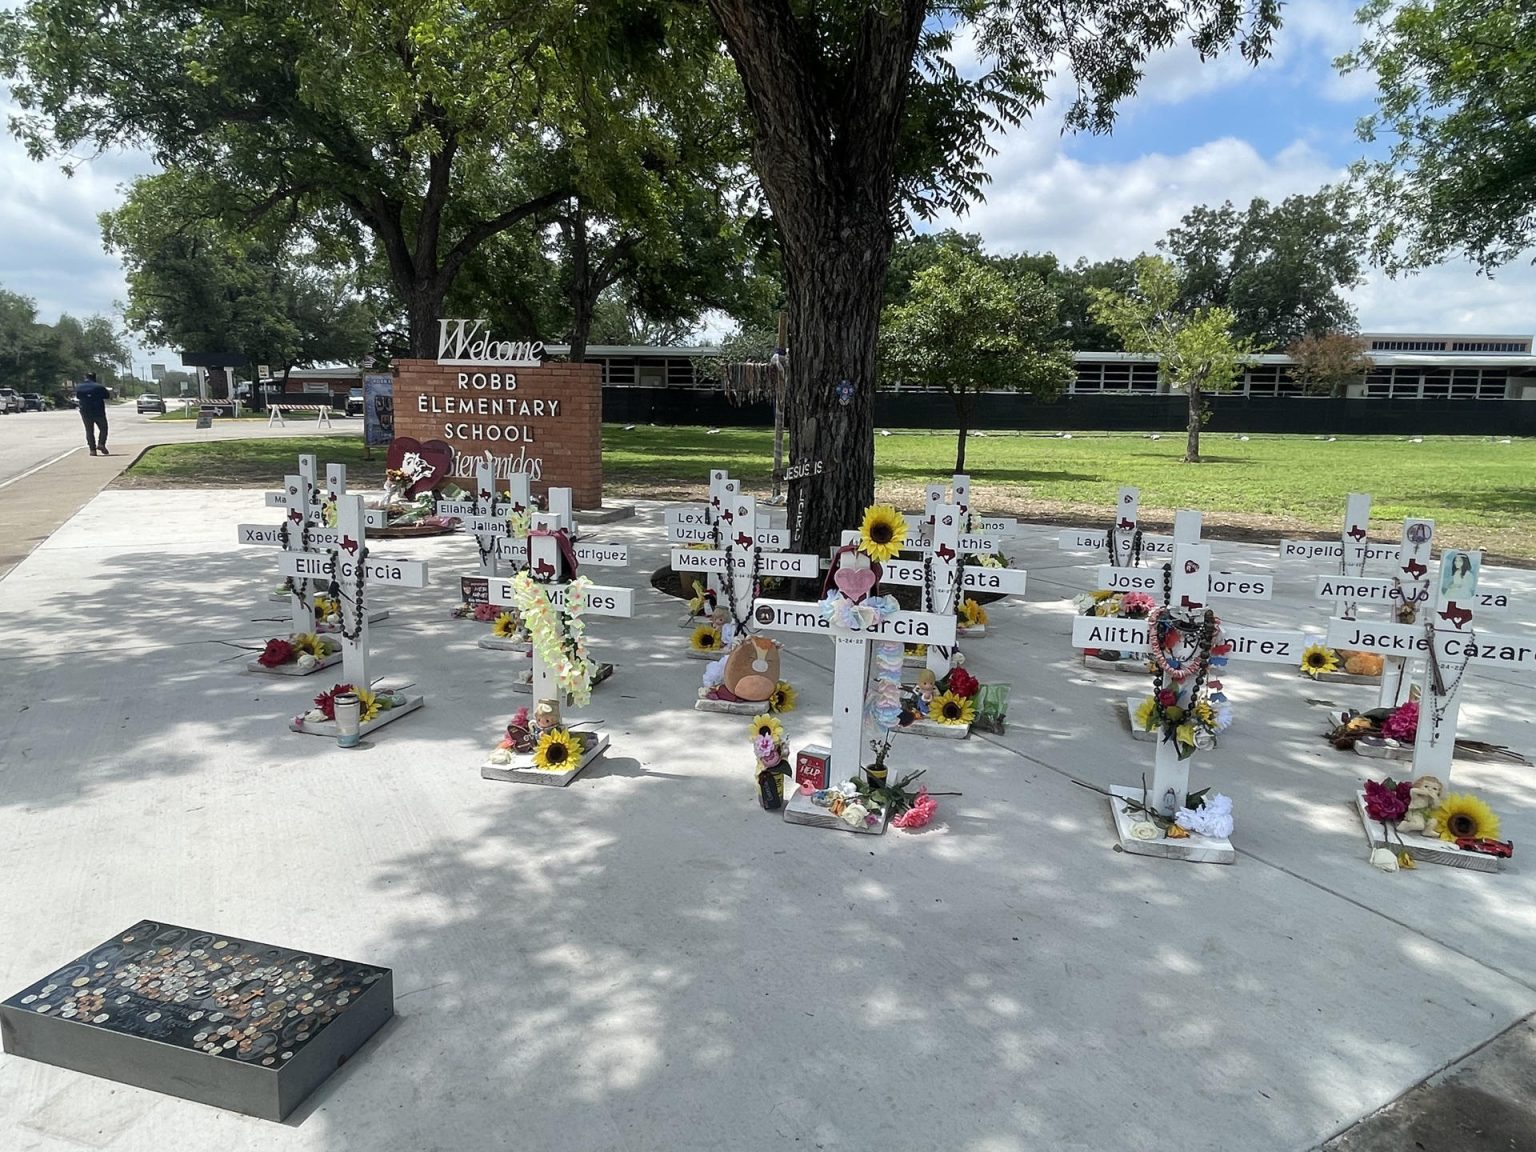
<point x="936" y="729"/>
<point x="798" y="809"/>
<point x="1343" y="678"/>
<point x="385" y="716"/>
<point x="522" y="770"/>
<point x="975" y="633"/>
<point x="1425" y="849"/>
<point x="520" y="649"/>
<point x="292" y="667"/>
<point x="731" y="707"/>
<point x="1195" y="850"/>
<point x="1135" y="667"/>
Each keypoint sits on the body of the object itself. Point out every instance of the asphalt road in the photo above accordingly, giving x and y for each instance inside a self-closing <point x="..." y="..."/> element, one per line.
<point x="46" y="474"/>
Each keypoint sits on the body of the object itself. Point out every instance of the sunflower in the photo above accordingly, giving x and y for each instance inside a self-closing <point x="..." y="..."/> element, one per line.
<point x="705" y="638"/>
<point x="556" y="751"/>
<point x="1319" y="658"/>
<point x="972" y="614"/>
<point x="917" y="650"/>
<point x="882" y="532"/>
<point x="766" y="725"/>
<point x="368" y="704"/>
<point x="948" y="708"/>
<point x="1205" y="714"/>
<point x="1463" y="816"/>
<point x="696" y="604"/>
<point x="782" y="698"/>
<point x="506" y="626"/>
<point x="308" y="642"/>
<point x="1146" y="714"/>
<point x="325" y="606"/>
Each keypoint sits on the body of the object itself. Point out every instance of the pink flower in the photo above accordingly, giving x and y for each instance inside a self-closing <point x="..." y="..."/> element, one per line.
<point x="922" y="810"/>
<point x="1387" y="801"/>
<point x="1403" y="724"/>
<point x="1136" y="604"/>
<point x="1167" y="698"/>
<point x="486" y="612"/>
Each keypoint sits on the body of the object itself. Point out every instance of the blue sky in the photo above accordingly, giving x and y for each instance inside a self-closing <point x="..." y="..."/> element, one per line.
<point x="1195" y="134"/>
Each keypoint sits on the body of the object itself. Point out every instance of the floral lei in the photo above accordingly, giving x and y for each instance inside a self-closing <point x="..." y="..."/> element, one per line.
<point x="559" y="638"/>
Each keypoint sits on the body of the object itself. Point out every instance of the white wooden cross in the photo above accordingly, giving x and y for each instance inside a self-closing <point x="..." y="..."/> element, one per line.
<point x="486" y="514"/>
<point x="851" y="727"/>
<point x="959" y="494"/>
<point x="1349" y="554"/>
<point x="514" y="549"/>
<point x="544" y="557"/>
<point x="345" y="561"/>
<point x="354" y="571"/>
<point x="695" y="523"/>
<point x="1118" y="543"/>
<point x="740" y="557"/>
<point x="938" y="573"/>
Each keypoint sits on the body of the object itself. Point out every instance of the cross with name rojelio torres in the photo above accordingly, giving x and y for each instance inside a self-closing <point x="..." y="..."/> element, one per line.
<point x="349" y="569"/>
<point x="547" y="565"/>
<point x="747" y="552"/>
<point x="303" y="529"/>
<point x="1446" y="641"/>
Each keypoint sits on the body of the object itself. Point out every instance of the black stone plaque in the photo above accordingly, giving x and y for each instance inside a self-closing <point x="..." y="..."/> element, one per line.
<point x="250" y="1027"/>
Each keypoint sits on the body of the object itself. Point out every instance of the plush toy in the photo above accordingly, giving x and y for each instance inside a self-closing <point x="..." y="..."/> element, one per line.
<point x="1424" y="798"/>
<point x="1362" y="663"/>
<point x="752" y="668"/>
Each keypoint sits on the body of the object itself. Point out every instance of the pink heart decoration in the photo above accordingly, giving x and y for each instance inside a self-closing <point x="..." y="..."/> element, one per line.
<point x="437" y="456"/>
<point x="855" y="583"/>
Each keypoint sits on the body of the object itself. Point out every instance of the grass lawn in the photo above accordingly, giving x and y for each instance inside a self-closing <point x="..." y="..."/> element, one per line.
<point x="1480" y="493"/>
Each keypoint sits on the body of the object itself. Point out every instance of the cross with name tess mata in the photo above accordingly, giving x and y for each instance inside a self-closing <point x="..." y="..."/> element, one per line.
<point x="352" y="570"/>
<point x="1192" y="583"/>
<point x="1448" y="645"/>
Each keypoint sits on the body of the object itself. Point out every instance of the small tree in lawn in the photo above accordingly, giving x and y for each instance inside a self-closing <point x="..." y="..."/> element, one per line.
<point x="1328" y="362"/>
<point x="1195" y="349"/>
<point x="968" y="328"/>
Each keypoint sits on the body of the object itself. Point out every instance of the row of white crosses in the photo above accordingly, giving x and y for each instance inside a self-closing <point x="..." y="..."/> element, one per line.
<point x="1119" y="541"/>
<point x="486" y="515"/>
<point x="1193" y="584"/>
<point x="304" y="528"/>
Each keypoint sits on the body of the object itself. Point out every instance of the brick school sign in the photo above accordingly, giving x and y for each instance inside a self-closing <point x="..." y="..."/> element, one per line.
<point x="503" y="410"/>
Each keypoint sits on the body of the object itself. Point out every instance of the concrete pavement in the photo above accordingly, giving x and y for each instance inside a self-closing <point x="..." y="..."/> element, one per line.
<point x="46" y="474"/>
<point x="646" y="960"/>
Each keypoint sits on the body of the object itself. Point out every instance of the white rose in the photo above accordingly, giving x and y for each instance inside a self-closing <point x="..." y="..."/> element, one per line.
<point x="854" y="814"/>
<point x="501" y="756"/>
<point x="314" y="714"/>
<point x="1145" y="830"/>
<point x="1385" y="859"/>
<point x="307" y="661"/>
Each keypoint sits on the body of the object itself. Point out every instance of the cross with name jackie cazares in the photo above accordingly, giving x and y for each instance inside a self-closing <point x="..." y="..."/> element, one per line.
<point x="1187" y="582"/>
<point x="350" y="572"/>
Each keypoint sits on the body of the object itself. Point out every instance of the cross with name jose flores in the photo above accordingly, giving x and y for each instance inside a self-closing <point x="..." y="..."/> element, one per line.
<point x="549" y="571"/>
<point x="352" y="571"/>
<point x="850" y="666"/>
<point x="746" y="553"/>
<point x="303" y="529"/>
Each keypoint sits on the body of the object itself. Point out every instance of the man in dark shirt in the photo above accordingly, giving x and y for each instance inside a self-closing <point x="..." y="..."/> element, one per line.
<point x="93" y="411"/>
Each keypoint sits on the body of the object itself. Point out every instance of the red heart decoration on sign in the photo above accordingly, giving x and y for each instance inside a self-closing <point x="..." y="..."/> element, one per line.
<point x="426" y="465"/>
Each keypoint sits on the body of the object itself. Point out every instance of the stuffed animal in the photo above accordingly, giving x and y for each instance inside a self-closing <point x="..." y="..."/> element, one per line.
<point x="752" y="668"/>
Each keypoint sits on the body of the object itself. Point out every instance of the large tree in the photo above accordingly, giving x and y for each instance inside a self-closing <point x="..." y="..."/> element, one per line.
<point x="40" y="357"/>
<point x="1282" y="269"/>
<point x="858" y="114"/>
<point x="1196" y="348"/>
<point x="968" y="328"/>
<point x="1456" y="107"/>
<point x="198" y="283"/>
<point x="430" y="128"/>
<point x="1329" y="362"/>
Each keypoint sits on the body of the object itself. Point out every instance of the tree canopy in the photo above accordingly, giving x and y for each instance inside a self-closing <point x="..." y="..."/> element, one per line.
<point x="1455" y="102"/>
<point x="1282" y="269"/>
<point x="45" y="358"/>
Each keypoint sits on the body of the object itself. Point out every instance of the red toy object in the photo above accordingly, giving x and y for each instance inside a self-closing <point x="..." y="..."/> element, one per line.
<point x="811" y="766"/>
<point x="1487" y="846"/>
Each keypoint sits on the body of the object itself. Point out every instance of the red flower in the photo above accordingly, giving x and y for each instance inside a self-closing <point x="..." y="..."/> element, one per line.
<point x="485" y="613"/>
<point x="1387" y="801"/>
<point x="1167" y="698"/>
<point x="326" y="701"/>
<point x="276" y="652"/>
<point x="962" y="683"/>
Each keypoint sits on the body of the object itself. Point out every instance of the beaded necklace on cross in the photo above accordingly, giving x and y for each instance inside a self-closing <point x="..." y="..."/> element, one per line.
<point x="741" y="620"/>
<point x="1114" y="556"/>
<point x="360" y="612"/>
<point x="296" y="588"/>
<point x="1442" y="695"/>
<point x="1161" y="622"/>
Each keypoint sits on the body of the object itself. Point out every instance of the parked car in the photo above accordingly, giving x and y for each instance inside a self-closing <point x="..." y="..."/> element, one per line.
<point x="10" y="400"/>
<point x="33" y="402"/>
<point x="148" y="403"/>
<point x="355" y="403"/>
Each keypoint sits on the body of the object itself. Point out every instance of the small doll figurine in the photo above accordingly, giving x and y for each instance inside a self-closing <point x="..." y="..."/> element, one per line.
<point x="546" y="717"/>
<point x="927" y="689"/>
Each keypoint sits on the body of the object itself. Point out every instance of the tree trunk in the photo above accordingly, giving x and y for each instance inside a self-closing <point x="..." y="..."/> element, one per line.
<point x="423" y="309"/>
<point x="962" y="424"/>
<point x="1192" y="449"/>
<point x="835" y="291"/>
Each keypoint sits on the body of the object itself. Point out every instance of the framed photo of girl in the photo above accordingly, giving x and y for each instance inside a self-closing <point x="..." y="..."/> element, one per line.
<point x="1458" y="576"/>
